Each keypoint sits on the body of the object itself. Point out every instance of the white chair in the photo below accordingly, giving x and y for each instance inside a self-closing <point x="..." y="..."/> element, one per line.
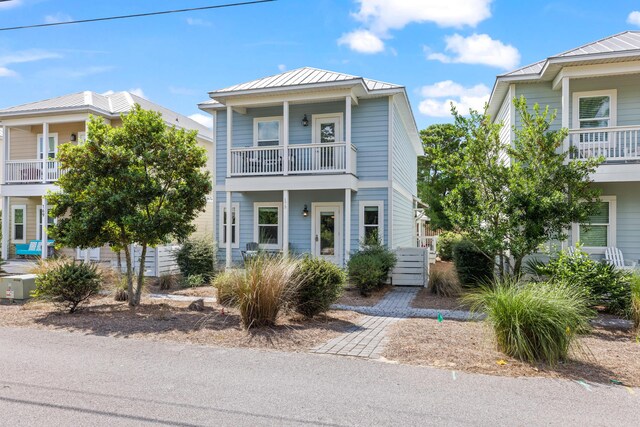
<point x="614" y="257"/>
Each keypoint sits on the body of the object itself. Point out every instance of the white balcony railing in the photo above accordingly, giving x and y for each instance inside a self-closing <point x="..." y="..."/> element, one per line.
<point x="614" y="143"/>
<point x="30" y="171"/>
<point x="300" y="159"/>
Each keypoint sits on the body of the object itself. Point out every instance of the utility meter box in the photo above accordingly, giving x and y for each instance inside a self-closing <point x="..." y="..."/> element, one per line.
<point x="17" y="287"/>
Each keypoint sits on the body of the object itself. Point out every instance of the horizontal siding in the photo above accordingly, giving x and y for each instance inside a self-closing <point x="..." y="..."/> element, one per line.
<point x="370" y="134"/>
<point x="24" y="143"/>
<point x="504" y="117"/>
<point x="628" y="93"/>
<point x="405" y="164"/>
<point x="403" y="221"/>
<point x="542" y="94"/>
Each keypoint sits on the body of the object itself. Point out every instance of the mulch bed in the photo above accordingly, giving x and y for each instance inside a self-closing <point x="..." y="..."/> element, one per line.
<point x="351" y="296"/>
<point x="608" y="355"/>
<point x="426" y="299"/>
<point x="173" y="321"/>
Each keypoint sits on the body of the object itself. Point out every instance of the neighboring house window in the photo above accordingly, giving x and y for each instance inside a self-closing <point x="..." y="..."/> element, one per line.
<point x="267" y="219"/>
<point x="39" y="217"/>
<point x="267" y="131"/>
<point x="235" y="225"/>
<point x="600" y="230"/>
<point x="596" y="109"/>
<point x="19" y="221"/>
<point x="371" y="221"/>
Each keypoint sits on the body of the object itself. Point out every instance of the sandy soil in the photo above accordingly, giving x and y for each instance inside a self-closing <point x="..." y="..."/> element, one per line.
<point x="606" y="355"/>
<point x="351" y="296"/>
<point x="173" y="321"/>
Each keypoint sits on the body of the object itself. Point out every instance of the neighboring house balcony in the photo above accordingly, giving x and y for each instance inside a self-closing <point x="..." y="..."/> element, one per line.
<point x="31" y="171"/>
<point x="615" y="144"/>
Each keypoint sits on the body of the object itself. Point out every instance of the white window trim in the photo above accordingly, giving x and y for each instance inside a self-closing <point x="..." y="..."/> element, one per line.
<point x="613" y="107"/>
<point x="380" y="205"/>
<point x="256" y="232"/>
<point x="55" y="143"/>
<point x="222" y="228"/>
<point x="314" y="126"/>
<point x="611" y="232"/>
<point x="24" y="223"/>
<point x="257" y="120"/>
<point x="39" y="218"/>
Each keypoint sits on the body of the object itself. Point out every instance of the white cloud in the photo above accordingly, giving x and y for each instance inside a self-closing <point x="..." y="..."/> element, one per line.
<point x="198" y="22"/>
<point x="282" y="67"/>
<point x="362" y="41"/>
<point x="438" y="98"/>
<point x="203" y="119"/>
<point x="10" y="4"/>
<point x="58" y="17"/>
<point x="380" y="17"/>
<point x="477" y="49"/>
<point x="5" y="72"/>
<point x="634" y="18"/>
<point x="138" y="91"/>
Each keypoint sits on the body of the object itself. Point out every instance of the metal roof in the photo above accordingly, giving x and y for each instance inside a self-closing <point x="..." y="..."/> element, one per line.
<point x="304" y="76"/>
<point x="112" y="104"/>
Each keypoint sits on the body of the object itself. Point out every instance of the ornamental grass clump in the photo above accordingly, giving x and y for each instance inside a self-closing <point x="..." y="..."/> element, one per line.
<point x="534" y="322"/>
<point x="227" y="283"/>
<point x="635" y="300"/>
<point x="269" y="285"/>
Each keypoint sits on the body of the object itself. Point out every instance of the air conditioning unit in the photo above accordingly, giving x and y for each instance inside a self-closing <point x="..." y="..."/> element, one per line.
<point x="17" y="287"/>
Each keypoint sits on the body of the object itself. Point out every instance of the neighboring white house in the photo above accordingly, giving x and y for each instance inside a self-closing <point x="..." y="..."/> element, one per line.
<point x="28" y="169"/>
<point x="595" y="89"/>
<point x="313" y="161"/>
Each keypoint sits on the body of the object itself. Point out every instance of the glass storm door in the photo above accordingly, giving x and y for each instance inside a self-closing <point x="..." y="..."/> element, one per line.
<point x="327" y="242"/>
<point x="327" y="132"/>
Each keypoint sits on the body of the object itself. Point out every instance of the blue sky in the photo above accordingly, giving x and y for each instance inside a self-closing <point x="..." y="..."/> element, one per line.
<point x="440" y="50"/>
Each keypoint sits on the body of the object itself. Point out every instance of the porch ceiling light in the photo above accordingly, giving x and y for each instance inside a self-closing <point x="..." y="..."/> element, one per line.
<point x="305" y="211"/>
<point x="305" y="122"/>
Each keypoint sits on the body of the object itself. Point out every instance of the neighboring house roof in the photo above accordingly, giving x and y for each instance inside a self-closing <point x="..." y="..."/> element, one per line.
<point x="111" y="105"/>
<point x="623" y="46"/>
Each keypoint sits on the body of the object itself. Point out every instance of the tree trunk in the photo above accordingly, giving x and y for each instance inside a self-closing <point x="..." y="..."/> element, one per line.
<point x="143" y="258"/>
<point x="127" y="255"/>
<point x="517" y="266"/>
<point x="119" y="255"/>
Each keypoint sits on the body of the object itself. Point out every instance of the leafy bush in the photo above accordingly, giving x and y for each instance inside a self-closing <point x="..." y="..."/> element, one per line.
<point x="227" y="284"/>
<point x="445" y="243"/>
<point x="604" y="284"/>
<point x="268" y="286"/>
<point x="197" y="256"/>
<point x="193" y="281"/>
<point x="472" y="265"/>
<point x="635" y="300"/>
<point x="534" y="321"/>
<point x="443" y="282"/>
<point x="370" y="267"/>
<point x="68" y="284"/>
<point x="321" y="284"/>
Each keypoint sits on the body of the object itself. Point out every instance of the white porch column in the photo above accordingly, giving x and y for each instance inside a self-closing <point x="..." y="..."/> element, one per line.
<point x="285" y="222"/>
<point x="43" y="226"/>
<point x="347" y="133"/>
<point x="5" y="154"/>
<point x="347" y="224"/>
<point x="45" y="150"/>
<point x="228" y="231"/>
<point x="285" y="138"/>
<point x="229" y="138"/>
<point x="5" y="228"/>
<point x="566" y="102"/>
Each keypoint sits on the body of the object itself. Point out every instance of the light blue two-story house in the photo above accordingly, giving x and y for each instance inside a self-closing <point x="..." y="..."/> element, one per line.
<point x="313" y="161"/>
<point x="595" y="89"/>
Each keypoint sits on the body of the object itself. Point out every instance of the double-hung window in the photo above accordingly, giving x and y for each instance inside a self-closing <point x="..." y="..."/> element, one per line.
<point x="599" y="231"/>
<point x="235" y="225"/>
<point x="19" y="223"/>
<point x="371" y="222"/>
<point x="268" y="225"/>
<point x="593" y="110"/>
<point x="267" y="131"/>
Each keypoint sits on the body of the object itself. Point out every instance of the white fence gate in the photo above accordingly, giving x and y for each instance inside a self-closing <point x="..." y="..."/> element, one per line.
<point x="160" y="260"/>
<point x="412" y="268"/>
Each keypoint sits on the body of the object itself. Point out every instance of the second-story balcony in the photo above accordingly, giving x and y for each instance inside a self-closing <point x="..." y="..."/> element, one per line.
<point x="615" y="144"/>
<point x="297" y="159"/>
<point x="31" y="171"/>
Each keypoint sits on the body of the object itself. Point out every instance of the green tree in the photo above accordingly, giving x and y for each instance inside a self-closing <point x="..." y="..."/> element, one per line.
<point x="512" y="199"/>
<point x="442" y="145"/>
<point x="142" y="183"/>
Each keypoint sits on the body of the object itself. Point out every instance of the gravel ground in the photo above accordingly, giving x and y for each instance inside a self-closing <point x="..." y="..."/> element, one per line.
<point x="608" y="354"/>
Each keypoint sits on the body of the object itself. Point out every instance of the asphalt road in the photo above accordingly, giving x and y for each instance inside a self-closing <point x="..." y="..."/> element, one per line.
<point x="58" y="378"/>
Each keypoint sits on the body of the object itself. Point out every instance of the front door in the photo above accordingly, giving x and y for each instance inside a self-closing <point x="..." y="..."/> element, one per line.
<point x="326" y="231"/>
<point x="49" y="151"/>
